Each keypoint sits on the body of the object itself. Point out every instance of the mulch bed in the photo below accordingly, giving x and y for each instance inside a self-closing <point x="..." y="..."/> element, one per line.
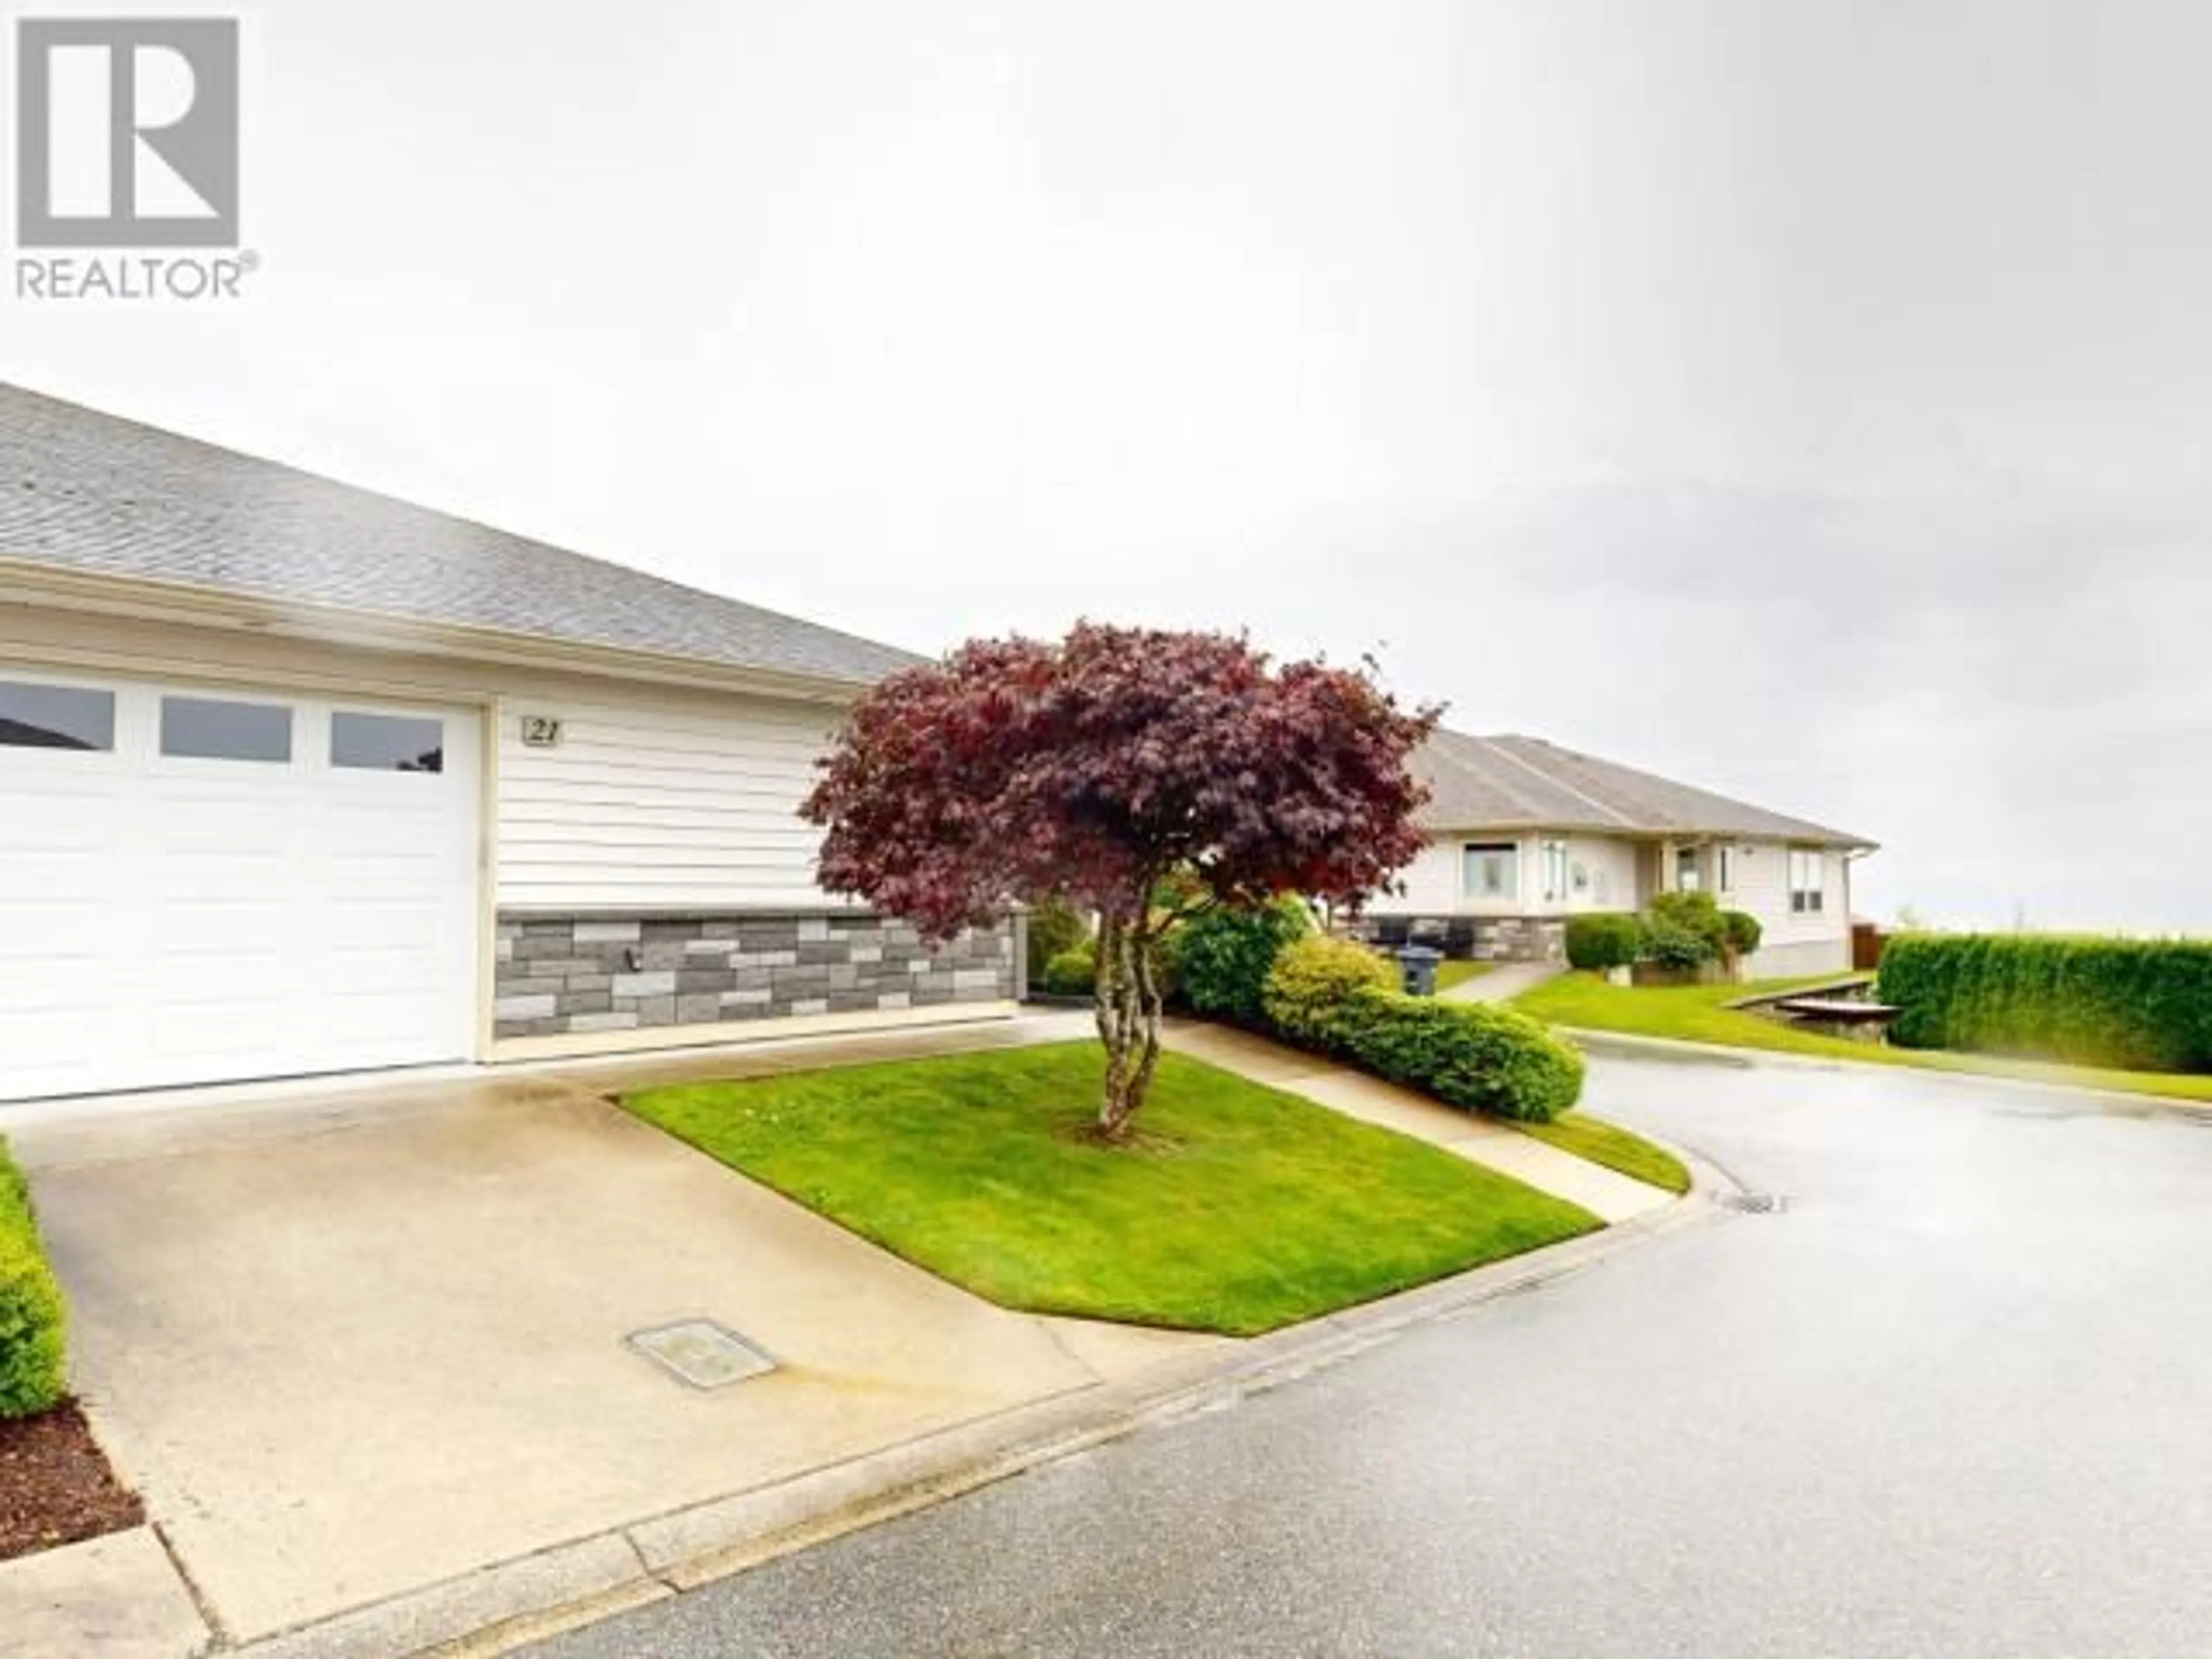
<point x="55" y="1487"/>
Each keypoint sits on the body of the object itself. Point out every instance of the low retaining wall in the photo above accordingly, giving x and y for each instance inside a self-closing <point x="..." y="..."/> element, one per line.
<point x="562" y="976"/>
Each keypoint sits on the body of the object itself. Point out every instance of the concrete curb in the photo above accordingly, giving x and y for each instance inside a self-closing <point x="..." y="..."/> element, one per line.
<point x="497" y="1609"/>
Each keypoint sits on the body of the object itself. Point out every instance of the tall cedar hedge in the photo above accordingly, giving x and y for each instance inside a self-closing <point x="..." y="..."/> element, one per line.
<point x="2143" y="1005"/>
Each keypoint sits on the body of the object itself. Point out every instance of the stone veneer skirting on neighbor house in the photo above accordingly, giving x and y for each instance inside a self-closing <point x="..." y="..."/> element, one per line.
<point x="1483" y="939"/>
<point x="1519" y="939"/>
<point x="558" y="975"/>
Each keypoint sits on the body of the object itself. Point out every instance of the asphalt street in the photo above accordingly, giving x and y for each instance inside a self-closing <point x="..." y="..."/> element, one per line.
<point x="1954" y="1399"/>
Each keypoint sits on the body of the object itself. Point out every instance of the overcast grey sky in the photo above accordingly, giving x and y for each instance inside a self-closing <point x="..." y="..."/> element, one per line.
<point x="1809" y="399"/>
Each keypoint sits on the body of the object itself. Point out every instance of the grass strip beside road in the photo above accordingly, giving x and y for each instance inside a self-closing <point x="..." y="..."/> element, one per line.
<point x="1619" y="1150"/>
<point x="1698" y="1013"/>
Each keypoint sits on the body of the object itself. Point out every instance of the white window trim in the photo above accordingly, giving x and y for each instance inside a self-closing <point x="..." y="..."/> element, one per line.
<point x="1555" y="869"/>
<point x="1808" y="881"/>
<point x="1697" y="869"/>
<point x="1510" y="851"/>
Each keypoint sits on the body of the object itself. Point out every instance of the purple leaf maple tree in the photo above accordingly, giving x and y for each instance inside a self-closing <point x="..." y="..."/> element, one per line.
<point x="1111" y="769"/>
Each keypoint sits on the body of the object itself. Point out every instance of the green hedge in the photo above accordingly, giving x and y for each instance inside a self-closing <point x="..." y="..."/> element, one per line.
<point x="1469" y="1055"/>
<point x="1222" y="957"/>
<point x="1054" y="926"/>
<point x="2138" y="1004"/>
<point x="1340" y="999"/>
<point x="1603" y="939"/>
<point x="1073" y="973"/>
<point x="34" y="1319"/>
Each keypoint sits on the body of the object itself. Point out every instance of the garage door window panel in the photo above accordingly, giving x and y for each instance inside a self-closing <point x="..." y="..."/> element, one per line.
<point x="67" y="717"/>
<point x="208" y="728"/>
<point x="387" y="743"/>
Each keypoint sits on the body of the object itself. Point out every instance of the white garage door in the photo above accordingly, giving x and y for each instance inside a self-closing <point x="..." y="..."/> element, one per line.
<point x="201" y="885"/>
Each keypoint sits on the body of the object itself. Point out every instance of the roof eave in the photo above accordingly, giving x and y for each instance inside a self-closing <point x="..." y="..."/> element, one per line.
<point x="191" y="605"/>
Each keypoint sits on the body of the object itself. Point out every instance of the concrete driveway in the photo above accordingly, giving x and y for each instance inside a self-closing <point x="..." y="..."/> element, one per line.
<point x="350" y="1347"/>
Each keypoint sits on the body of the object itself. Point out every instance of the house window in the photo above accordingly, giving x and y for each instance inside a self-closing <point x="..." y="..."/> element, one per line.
<point x="1555" y="871"/>
<point x="204" y="728"/>
<point x="387" y="743"/>
<point x="55" y="717"/>
<point x="1688" y="876"/>
<point x="1806" y="866"/>
<point x="1725" y="869"/>
<point x="1490" y="870"/>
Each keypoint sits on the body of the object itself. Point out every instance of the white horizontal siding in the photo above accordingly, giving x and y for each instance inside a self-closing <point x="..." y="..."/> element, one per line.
<point x="645" y="804"/>
<point x="1431" y="883"/>
<point x="657" y="797"/>
<point x="1610" y="862"/>
<point x="1759" y="879"/>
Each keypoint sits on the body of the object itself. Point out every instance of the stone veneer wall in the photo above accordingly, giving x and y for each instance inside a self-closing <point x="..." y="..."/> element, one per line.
<point x="562" y="975"/>
<point x="1483" y="939"/>
<point x="1519" y="939"/>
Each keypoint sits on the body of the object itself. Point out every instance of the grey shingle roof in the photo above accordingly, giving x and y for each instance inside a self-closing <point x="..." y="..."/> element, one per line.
<point x="1515" y="782"/>
<point x="94" y="492"/>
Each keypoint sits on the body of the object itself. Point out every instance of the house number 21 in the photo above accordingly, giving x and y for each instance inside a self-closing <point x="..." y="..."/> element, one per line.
<point x="540" y="731"/>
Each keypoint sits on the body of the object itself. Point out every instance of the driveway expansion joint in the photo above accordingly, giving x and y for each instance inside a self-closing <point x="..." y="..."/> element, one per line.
<point x="218" y="1633"/>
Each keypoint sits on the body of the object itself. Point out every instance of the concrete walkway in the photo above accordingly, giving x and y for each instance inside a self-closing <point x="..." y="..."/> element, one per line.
<point x="1503" y="983"/>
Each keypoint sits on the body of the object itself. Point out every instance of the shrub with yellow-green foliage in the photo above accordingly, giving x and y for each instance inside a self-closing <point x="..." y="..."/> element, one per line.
<point x="33" y="1318"/>
<point x="1341" y="999"/>
<point x="1308" y="997"/>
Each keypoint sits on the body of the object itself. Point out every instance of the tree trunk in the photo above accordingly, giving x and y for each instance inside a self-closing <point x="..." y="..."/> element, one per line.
<point x="1129" y="1012"/>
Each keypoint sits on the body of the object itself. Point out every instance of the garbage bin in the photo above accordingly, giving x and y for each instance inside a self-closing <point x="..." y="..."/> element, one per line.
<point x="1418" y="964"/>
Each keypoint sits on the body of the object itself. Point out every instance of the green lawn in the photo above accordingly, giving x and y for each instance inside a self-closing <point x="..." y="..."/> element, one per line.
<point x="1450" y="973"/>
<point x="1695" y="1013"/>
<point x="1616" y="1148"/>
<point x="1242" y="1208"/>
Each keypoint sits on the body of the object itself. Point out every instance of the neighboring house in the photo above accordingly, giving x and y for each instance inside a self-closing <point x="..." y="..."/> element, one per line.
<point x="299" y="778"/>
<point x="1524" y="834"/>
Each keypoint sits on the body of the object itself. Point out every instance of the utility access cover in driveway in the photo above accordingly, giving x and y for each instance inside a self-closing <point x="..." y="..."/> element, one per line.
<point x="701" y="1353"/>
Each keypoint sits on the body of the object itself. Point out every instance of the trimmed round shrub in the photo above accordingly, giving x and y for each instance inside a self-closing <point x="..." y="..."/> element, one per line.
<point x="1670" y="944"/>
<point x="1310" y="994"/>
<point x="1468" y="1054"/>
<point x="1054" y="926"/>
<point x="33" y="1318"/>
<point x="1698" y="913"/>
<point x="1073" y="973"/>
<point x="1222" y="957"/>
<point x="1741" y="931"/>
<point x="1604" y="940"/>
